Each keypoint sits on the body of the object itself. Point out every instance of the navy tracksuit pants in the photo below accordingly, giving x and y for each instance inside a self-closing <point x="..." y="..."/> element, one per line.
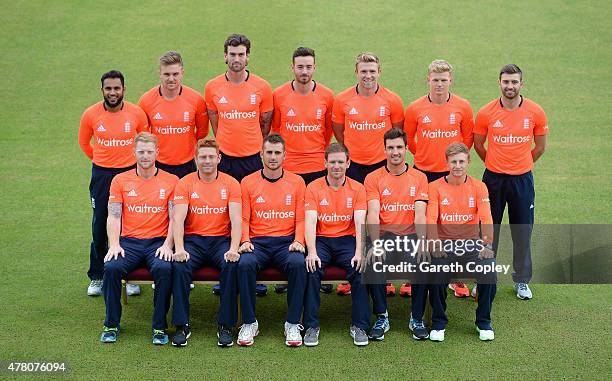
<point x="486" y="289"/>
<point x="99" y="189"/>
<point x="180" y="170"/>
<point x="240" y="167"/>
<point x="137" y="252"/>
<point x="272" y="252"/>
<point x="205" y="251"/>
<point x="518" y="192"/>
<point x="338" y="250"/>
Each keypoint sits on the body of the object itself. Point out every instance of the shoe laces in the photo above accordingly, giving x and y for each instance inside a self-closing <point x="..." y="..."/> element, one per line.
<point x="294" y="329"/>
<point x="522" y="286"/>
<point x="418" y="324"/>
<point x="108" y="329"/>
<point x="380" y="322"/>
<point x="97" y="282"/>
<point x="359" y="331"/>
<point x="157" y="332"/>
<point x="247" y="329"/>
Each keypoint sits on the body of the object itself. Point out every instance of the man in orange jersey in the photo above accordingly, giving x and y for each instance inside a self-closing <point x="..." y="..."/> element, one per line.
<point x="207" y="228"/>
<point x="272" y="235"/>
<point x="177" y="116"/>
<point x="458" y="203"/>
<point x="335" y="214"/>
<point x="516" y="129"/>
<point x="140" y="231"/>
<point x="397" y="200"/>
<point x="361" y="115"/>
<point x="437" y="120"/>
<point x="302" y="116"/>
<point x="240" y="109"/>
<point x="112" y="123"/>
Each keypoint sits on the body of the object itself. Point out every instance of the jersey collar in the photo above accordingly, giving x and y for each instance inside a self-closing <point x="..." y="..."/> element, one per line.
<point x="429" y="98"/>
<point x="405" y="170"/>
<point x="446" y="179"/>
<point x="105" y="109"/>
<point x="199" y="178"/>
<point x="246" y="79"/>
<point x="156" y="171"/>
<point x="160" y="94"/>
<point x="327" y="181"/>
<point x="376" y="92"/>
<point x="313" y="88"/>
<point x="272" y="180"/>
<point x="520" y="104"/>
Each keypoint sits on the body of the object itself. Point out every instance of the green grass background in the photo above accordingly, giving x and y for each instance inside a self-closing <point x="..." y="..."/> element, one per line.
<point x="53" y="55"/>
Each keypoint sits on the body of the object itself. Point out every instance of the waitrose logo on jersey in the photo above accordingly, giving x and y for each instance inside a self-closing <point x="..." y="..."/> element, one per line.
<point x="207" y="210"/>
<point x="235" y="114"/>
<point x="511" y="139"/>
<point x="366" y="125"/>
<point x="274" y="214"/>
<point x="169" y="130"/>
<point x="334" y="217"/>
<point x="115" y="142"/>
<point x="436" y="134"/>
<point x="146" y="209"/>
<point x="301" y="127"/>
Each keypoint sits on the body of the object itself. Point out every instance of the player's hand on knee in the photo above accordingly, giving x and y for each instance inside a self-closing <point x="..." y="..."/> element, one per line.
<point x="231" y="256"/>
<point x="181" y="256"/>
<point x="246" y="247"/>
<point x="423" y="256"/>
<point x="436" y="253"/>
<point x="297" y="246"/>
<point x="113" y="253"/>
<point x="486" y="253"/>
<point x="312" y="262"/>
<point x="164" y="252"/>
<point x="358" y="263"/>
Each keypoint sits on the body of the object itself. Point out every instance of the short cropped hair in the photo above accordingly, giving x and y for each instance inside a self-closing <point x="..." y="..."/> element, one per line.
<point x="237" y="40"/>
<point x="145" y="137"/>
<point x="395" y="133"/>
<point x="113" y="74"/>
<point x="366" y="57"/>
<point x="336" y="147"/>
<point x="273" y="139"/>
<point x="440" y="66"/>
<point x="511" y="69"/>
<point x="303" y="52"/>
<point x="171" y="58"/>
<point x="207" y="143"/>
<point x="455" y="148"/>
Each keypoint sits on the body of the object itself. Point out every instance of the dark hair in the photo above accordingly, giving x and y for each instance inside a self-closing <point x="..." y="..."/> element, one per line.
<point x="273" y="139"/>
<point x="112" y="74"/>
<point x="303" y="52"/>
<point x="237" y="40"/>
<point x="395" y="133"/>
<point x="336" y="147"/>
<point x="511" y="69"/>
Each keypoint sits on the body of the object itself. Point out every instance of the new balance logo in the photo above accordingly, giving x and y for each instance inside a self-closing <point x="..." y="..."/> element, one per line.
<point x="253" y="99"/>
<point x="382" y="111"/>
<point x="194" y="195"/>
<point x="291" y="112"/>
<point x="445" y="202"/>
<point x="386" y="192"/>
<point x="451" y="119"/>
<point x="158" y="116"/>
<point x="498" y="124"/>
<point x="353" y="111"/>
<point x="222" y="100"/>
<point x="101" y="128"/>
<point x="260" y="200"/>
<point x="471" y="202"/>
<point x="132" y="193"/>
<point x="526" y="123"/>
<point x="324" y="202"/>
<point x="426" y="119"/>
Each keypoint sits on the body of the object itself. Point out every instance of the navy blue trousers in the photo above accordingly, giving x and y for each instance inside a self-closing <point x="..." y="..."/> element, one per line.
<point x="486" y="289"/>
<point x="138" y="252"/>
<point x="518" y="192"/>
<point x="432" y="176"/>
<point x="205" y="251"/>
<point x="180" y="170"/>
<point x="99" y="189"/>
<point x="339" y="251"/>
<point x="358" y="172"/>
<point x="272" y="252"/>
<point x="240" y="167"/>
<point x="312" y="176"/>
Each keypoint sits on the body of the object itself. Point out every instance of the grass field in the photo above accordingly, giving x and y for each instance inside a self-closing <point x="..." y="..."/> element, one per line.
<point x="54" y="54"/>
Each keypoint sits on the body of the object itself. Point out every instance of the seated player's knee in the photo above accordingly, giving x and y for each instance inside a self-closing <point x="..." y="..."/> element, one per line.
<point x="162" y="268"/>
<point x="247" y="262"/>
<point x="113" y="267"/>
<point x="296" y="261"/>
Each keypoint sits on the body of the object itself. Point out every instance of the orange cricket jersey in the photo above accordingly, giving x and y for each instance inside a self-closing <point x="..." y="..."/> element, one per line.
<point x="335" y="208"/>
<point x="304" y="121"/>
<point x="273" y="208"/>
<point x="435" y="127"/>
<point x="178" y="123"/>
<point x="208" y="203"/>
<point x="145" y="203"/>
<point x="510" y="135"/>
<point x="113" y="134"/>
<point x="239" y="107"/>
<point x="366" y="120"/>
<point x="397" y="195"/>
<point x="463" y="206"/>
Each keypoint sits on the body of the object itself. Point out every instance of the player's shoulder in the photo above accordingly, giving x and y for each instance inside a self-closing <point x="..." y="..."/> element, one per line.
<point x="257" y="81"/>
<point x="167" y="177"/>
<point x="189" y="179"/>
<point x="435" y="185"/>
<point x="149" y="95"/>
<point x="490" y="107"/>
<point x="475" y="183"/>
<point x="459" y="101"/>
<point x="323" y="90"/>
<point x="217" y="81"/>
<point x="134" y="109"/>
<point x="283" y="89"/>
<point x="416" y="174"/>
<point x="346" y="94"/>
<point x="375" y="175"/>
<point x="293" y="178"/>
<point x="317" y="184"/>
<point x="94" y="109"/>
<point x="532" y="106"/>
<point x="126" y="176"/>
<point x="226" y="179"/>
<point x="421" y="101"/>
<point x="385" y="92"/>
<point x="354" y="185"/>
<point x="190" y="92"/>
<point x="252" y="178"/>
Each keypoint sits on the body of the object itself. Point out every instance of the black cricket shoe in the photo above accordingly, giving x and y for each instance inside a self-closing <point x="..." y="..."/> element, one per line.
<point x="224" y="336"/>
<point x="180" y="337"/>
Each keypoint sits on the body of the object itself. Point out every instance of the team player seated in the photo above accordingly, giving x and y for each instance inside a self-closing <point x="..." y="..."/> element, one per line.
<point x="272" y="235"/>
<point x="207" y="227"/>
<point x="458" y="203"/>
<point x="139" y="230"/>
<point x="335" y="212"/>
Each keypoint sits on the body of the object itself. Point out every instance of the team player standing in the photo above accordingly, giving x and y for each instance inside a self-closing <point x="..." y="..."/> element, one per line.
<point x="241" y="107"/>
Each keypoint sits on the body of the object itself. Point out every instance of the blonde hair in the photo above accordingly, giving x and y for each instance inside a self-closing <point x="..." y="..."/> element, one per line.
<point x="440" y="66"/>
<point x="366" y="57"/>
<point x="145" y="137"/>
<point x="170" y="58"/>
<point x="456" y="148"/>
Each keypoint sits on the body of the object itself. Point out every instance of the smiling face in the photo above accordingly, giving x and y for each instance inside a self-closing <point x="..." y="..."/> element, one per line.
<point x="458" y="164"/>
<point x="395" y="149"/>
<point x="303" y="69"/>
<point x="510" y="85"/>
<point x="207" y="160"/>
<point x="112" y="91"/>
<point x="368" y="74"/>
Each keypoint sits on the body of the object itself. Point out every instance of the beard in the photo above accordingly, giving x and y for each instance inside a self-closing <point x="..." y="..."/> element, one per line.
<point x="117" y="102"/>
